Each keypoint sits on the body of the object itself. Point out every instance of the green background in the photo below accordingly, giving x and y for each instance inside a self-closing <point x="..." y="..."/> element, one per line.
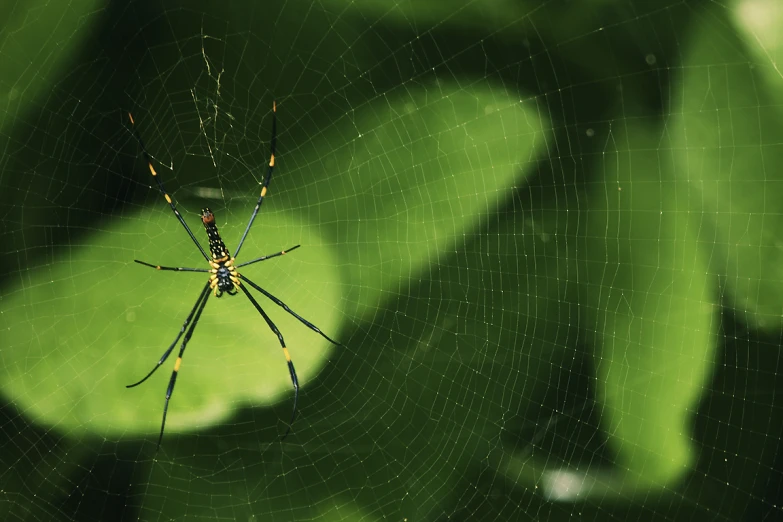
<point x="547" y="233"/>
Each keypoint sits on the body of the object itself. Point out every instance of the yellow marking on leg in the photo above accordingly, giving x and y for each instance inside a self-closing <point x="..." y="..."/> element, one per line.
<point x="274" y="106"/>
<point x="168" y="199"/>
<point x="287" y="355"/>
<point x="234" y="279"/>
<point x="230" y="262"/>
<point x="263" y="192"/>
<point x="176" y="364"/>
<point x="131" y="119"/>
<point x="272" y="161"/>
<point x="282" y="252"/>
<point x="152" y="169"/>
<point x="158" y="267"/>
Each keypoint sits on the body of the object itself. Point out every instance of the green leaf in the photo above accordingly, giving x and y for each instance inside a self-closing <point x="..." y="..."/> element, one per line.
<point x="94" y="321"/>
<point x="651" y="307"/>
<point x="729" y="132"/>
<point x="413" y="172"/>
<point x="38" y="39"/>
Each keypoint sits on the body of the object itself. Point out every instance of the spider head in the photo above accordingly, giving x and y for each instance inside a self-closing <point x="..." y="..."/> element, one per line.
<point x="207" y="217"/>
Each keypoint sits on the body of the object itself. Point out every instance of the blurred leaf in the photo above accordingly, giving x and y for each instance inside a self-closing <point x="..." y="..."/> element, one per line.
<point x="94" y="321"/>
<point x="412" y="173"/>
<point x="729" y="135"/>
<point x="651" y="312"/>
<point x="38" y="40"/>
<point x="758" y="23"/>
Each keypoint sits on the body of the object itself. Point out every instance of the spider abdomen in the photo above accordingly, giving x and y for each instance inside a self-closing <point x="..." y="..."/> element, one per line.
<point x="224" y="278"/>
<point x="225" y="283"/>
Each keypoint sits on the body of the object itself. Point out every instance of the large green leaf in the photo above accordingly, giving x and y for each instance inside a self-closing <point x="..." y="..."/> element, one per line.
<point x="729" y="134"/>
<point x="650" y="309"/>
<point x="80" y="330"/>
<point x="411" y="174"/>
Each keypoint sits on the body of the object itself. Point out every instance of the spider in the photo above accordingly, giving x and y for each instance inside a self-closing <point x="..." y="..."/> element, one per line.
<point x="223" y="278"/>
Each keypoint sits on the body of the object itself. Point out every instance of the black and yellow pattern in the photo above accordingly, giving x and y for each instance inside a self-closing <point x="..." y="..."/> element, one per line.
<point x="216" y="245"/>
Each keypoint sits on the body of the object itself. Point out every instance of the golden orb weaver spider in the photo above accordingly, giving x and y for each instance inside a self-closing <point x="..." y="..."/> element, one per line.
<point x="223" y="278"/>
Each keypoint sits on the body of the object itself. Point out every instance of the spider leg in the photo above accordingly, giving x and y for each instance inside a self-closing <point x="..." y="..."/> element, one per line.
<point x="154" y="173"/>
<point x="175" y="268"/>
<point x="201" y="297"/>
<point x="291" y="370"/>
<point x="285" y="307"/>
<point x="270" y="256"/>
<point x="266" y="179"/>
<point x="174" y="373"/>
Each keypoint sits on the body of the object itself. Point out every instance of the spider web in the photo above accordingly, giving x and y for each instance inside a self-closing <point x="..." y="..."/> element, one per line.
<point x="546" y="233"/>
